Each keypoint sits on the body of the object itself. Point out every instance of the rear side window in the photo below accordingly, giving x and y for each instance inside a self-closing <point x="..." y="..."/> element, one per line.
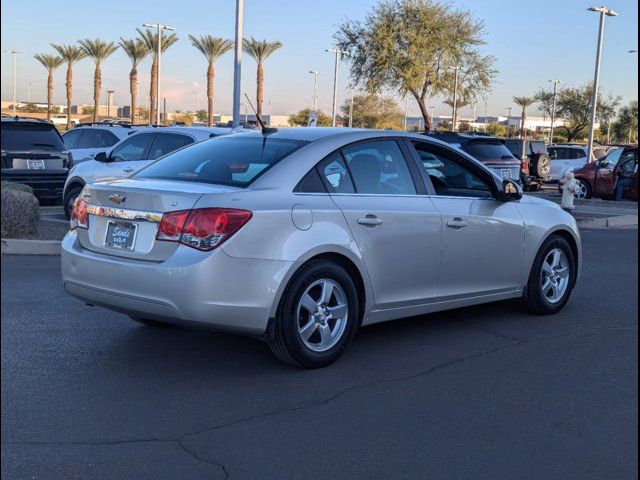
<point x="97" y="138"/>
<point x="27" y="136"/>
<point x="556" y="153"/>
<point x="231" y="160"/>
<point x="576" y="153"/>
<point x="484" y="150"/>
<point x="168" y="142"/>
<point x="133" y="148"/>
<point x="379" y="167"/>
<point x="71" y="137"/>
<point x="335" y="175"/>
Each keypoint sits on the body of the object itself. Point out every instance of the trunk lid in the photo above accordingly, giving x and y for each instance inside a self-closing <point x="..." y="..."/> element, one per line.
<point x="124" y="215"/>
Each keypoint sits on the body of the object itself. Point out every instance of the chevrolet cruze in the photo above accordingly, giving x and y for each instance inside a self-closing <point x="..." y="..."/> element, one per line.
<point x="302" y="236"/>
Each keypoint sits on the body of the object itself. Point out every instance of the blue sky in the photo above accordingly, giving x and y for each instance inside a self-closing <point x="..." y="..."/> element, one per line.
<point x="532" y="41"/>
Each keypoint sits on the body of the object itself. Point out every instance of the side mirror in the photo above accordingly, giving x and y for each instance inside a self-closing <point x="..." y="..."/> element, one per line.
<point x="101" y="157"/>
<point x="511" y="191"/>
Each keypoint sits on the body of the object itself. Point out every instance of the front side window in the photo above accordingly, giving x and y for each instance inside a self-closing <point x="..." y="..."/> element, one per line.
<point x="97" y="138"/>
<point x="379" y="167"/>
<point x="133" y="148"/>
<point x="448" y="176"/>
<point x="168" y="142"/>
<point x="558" y="153"/>
<point x="576" y="154"/>
<point x="230" y="160"/>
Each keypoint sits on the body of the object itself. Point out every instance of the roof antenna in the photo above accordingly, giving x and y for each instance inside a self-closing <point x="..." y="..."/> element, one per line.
<point x="264" y="128"/>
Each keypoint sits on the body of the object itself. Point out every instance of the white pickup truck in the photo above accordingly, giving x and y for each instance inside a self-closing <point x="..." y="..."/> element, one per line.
<point x="61" y="119"/>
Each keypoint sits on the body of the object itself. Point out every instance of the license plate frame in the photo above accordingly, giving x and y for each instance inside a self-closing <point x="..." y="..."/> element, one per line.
<point x="125" y="245"/>
<point x="505" y="173"/>
<point x="35" y="164"/>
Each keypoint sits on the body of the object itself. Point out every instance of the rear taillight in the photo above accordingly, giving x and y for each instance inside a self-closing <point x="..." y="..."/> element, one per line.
<point x="79" y="215"/>
<point x="202" y="228"/>
<point x="525" y="165"/>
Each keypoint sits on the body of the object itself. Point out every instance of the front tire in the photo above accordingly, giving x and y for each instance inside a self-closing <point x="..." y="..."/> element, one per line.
<point x="317" y="316"/>
<point x="552" y="277"/>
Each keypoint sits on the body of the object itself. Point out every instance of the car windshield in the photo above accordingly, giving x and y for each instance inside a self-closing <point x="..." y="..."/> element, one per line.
<point x="538" y="147"/>
<point x="487" y="150"/>
<point x="235" y="161"/>
<point x="613" y="157"/>
<point x="600" y="152"/>
<point x="30" y="136"/>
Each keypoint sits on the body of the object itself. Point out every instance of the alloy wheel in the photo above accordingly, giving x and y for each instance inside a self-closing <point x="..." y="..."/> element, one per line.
<point x="554" y="280"/>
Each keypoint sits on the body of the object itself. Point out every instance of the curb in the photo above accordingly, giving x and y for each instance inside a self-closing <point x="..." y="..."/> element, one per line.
<point x="608" y="222"/>
<point x="14" y="246"/>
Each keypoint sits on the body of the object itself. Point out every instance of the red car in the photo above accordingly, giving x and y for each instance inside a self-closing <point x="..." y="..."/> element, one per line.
<point x="598" y="179"/>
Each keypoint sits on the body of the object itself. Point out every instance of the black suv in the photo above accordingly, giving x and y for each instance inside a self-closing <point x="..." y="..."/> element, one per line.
<point x="33" y="153"/>
<point x="485" y="148"/>
<point x="536" y="164"/>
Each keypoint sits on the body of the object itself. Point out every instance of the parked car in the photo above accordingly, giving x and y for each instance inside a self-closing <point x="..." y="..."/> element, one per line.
<point x="565" y="157"/>
<point x="33" y="153"/>
<point x="535" y="166"/>
<point x="137" y="150"/>
<point x="598" y="179"/>
<point x="85" y="140"/>
<point x="485" y="148"/>
<point x="61" y="119"/>
<point x="301" y="236"/>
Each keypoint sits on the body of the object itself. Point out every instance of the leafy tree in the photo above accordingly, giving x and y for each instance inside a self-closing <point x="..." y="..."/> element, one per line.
<point x="606" y="113"/>
<point x="151" y="41"/>
<point x="185" y="118"/>
<point x="50" y="62"/>
<point x="260" y="50"/>
<point x="497" y="129"/>
<point x="410" y="46"/>
<point x="33" y="108"/>
<point x="143" y="114"/>
<point x="98" y="50"/>
<point x="524" y="103"/>
<point x="301" y="118"/>
<point x="136" y="50"/>
<point x="372" y="111"/>
<point x="212" y="48"/>
<point x="202" y="115"/>
<point x="626" y="127"/>
<point x="70" y="54"/>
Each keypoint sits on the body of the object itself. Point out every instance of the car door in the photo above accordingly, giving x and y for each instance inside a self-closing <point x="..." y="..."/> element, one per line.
<point x="125" y="158"/>
<point x="559" y="162"/>
<point x="394" y="223"/>
<point x="483" y="239"/>
<point x="577" y="159"/>
<point x="92" y="141"/>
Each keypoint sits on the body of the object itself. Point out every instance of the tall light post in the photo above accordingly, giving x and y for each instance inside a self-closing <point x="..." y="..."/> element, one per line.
<point x="553" y="108"/>
<point x="432" y="115"/>
<point x="314" y="100"/>
<point x="109" y="101"/>
<point x="351" y="113"/>
<point x="486" y="110"/>
<point x="604" y="12"/>
<point x="338" y="54"/>
<point x="160" y="27"/>
<point x="29" y="92"/>
<point x="454" y="115"/>
<point x="14" y="53"/>
<point x="508" y="119"/>
<point x="237" y="64"/>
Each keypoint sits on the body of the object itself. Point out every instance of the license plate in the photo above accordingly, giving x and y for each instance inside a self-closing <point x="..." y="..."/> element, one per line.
<point x="35" y="164"/>
<point x="121" y="235"/>
<point x="505" y="173"/>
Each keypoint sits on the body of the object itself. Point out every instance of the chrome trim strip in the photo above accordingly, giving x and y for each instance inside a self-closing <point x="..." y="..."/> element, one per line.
<point x="124" y="214"/>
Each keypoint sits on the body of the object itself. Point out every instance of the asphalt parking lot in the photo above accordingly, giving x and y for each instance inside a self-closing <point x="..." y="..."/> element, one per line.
<point x="483" y="392"/>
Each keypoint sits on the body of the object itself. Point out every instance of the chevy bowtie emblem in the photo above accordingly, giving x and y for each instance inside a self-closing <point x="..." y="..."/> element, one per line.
<point x="117" y="198"/>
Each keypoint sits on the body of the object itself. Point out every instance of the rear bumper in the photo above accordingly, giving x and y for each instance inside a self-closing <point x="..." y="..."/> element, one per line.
<point x="48" y="184"/>
<point x="212" y="289"/>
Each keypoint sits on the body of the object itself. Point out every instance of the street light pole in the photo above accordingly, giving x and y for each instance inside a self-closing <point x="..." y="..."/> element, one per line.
<point x="486" y="109"/>
<point x="314" y="100"/>
<point x="338" y="53"/>
<point x="553" y="108"/>
<point x="433" y="119"/>
<point x="237" y="66"/>
<point x="14" y="53"/>
<point x="351" y="113"/>
<point x="160" y="27"/>
<point x="508" y="119"/>
<point x="454" y="115"/>
<point x="109" y="100"/>
<point x="603" y="11"/>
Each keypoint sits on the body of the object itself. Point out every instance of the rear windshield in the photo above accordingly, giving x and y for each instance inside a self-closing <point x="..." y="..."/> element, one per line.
<point x="231" y="160"/>
<point x="487" y="150"/>
<point x="538" y="147"/>
<point x="30" y="136"/>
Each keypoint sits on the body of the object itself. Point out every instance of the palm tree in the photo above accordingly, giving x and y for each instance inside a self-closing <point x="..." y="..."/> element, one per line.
<point x="98" y="50"/>
<point x="136" y="50"/>
<point x="260" y="50"/>
<point x="212" y="48"/>
<point x="151" y="41"/>
<point x="50" y="62"/>
<point x="523" y="102"/>
<point x="70" y="54"/>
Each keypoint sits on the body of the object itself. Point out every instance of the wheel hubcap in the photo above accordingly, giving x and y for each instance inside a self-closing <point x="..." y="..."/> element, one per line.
<point x="554" y="280"/>
<point x="581" y="191"/>
<point x="322" y="315"/>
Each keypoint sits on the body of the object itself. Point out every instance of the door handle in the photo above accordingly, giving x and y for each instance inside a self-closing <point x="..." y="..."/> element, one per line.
<point x="127" y="170"/>
<point x="457" y="223"/>
<point x="370" y="221"/>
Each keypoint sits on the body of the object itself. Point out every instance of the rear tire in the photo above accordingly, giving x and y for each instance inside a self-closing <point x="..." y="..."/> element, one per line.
<point x="317" y="316"/>
<point x="150" y="323"/>
<point x="69" y="198"/>
<point x="542" y="167"/>
<point x="546" y="292"/>
<point x="583" y="191"/>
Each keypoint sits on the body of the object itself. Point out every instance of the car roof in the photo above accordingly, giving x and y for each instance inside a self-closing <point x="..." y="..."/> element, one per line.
<point x="16" y="119"/>
<point x="306" y="134"/>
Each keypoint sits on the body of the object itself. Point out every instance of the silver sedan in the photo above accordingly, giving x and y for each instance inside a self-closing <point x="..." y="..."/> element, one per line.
<point x="302" y="236"/>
